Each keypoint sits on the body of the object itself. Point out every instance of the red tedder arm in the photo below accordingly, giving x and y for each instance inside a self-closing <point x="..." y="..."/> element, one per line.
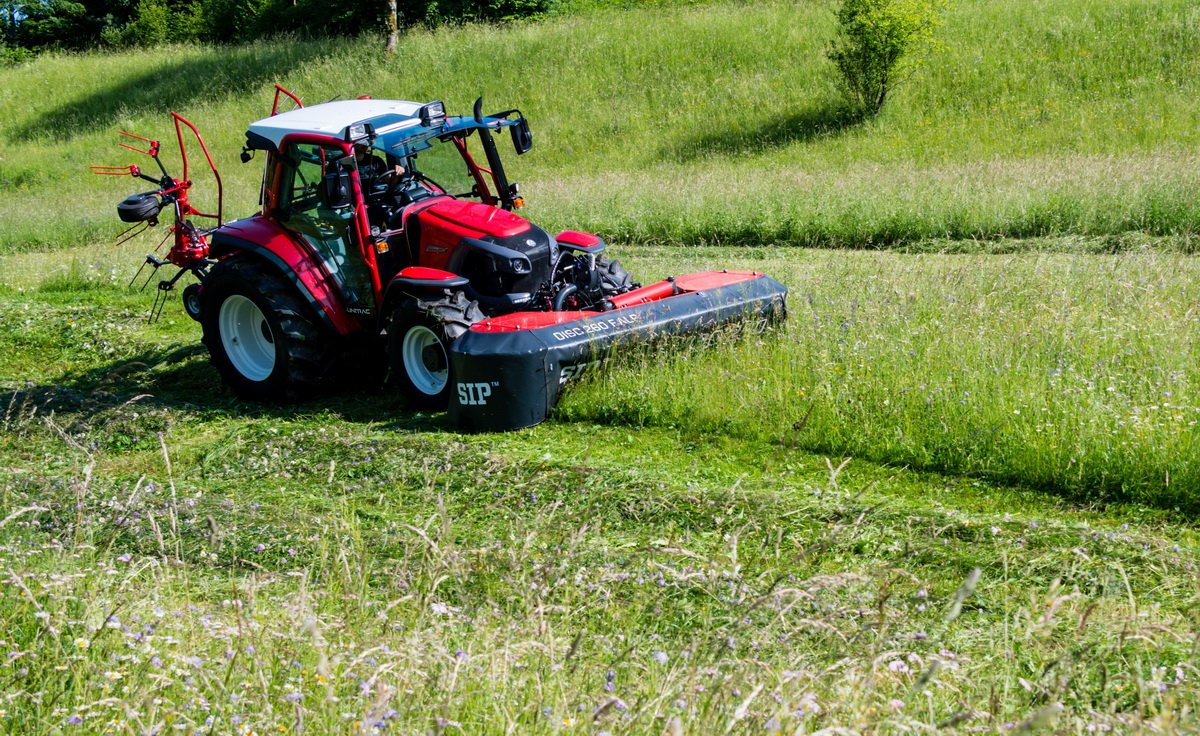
<point x="181" y="121"/>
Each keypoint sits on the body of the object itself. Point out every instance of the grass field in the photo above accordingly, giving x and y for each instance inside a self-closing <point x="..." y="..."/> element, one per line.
<point x="955" y="492"/>
<point x="1035" y="118"/>
<point x="668" y="554"/>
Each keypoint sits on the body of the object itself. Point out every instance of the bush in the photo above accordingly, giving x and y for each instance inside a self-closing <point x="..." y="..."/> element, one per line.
<point x="164" y="21"/>
<point x="873" y="38"/>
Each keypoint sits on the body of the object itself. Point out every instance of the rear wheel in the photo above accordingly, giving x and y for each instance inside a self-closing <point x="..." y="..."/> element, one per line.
<point x="419" y="339"/>
<point x="264" y="341"/>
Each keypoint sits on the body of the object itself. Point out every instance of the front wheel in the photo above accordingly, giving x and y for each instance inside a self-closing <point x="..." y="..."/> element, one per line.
<point x="263" y="340"/>
<point x="614" y="279"/>
<point x="419" y="338"/>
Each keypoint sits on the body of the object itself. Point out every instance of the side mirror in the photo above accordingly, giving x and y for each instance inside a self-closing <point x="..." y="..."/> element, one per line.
<point x="522" y="136"/>
<point x="335" y="190"/>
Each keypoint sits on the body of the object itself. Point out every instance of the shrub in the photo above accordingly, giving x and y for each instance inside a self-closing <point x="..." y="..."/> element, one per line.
<point x="873" y="38"/>
<point x="13" y="55"/>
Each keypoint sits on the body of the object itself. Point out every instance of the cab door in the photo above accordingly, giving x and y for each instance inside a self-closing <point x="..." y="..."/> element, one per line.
<point x="332" y="227"/>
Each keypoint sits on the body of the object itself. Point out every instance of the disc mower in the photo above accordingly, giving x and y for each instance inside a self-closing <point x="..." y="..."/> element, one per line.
<point x="392" y="224"/>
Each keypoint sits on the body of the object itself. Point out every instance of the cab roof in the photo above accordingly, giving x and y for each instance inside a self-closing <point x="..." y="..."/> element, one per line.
<point x="332" y="118"/>
<point x="397" y="124"/>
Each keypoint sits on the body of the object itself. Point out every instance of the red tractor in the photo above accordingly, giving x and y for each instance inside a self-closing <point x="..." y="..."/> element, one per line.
<point x="390" y="222"/>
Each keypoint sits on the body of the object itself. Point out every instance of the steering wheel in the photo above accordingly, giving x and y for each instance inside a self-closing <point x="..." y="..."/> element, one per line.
<point x="436" y="188"/>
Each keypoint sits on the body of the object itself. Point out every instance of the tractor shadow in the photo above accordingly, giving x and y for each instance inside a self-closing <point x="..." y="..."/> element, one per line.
<point x="166" y="86"/>
<point x="181" y="380"/>
<point x="826" y="119"/>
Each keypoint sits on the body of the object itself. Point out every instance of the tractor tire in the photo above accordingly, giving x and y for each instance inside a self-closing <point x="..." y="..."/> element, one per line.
<point x="419" y="338"/>
<point x="191" y="301"/>
<point x="142" y="207"/>
<point x="614" y="279"/>
<point x="263" y="339"/>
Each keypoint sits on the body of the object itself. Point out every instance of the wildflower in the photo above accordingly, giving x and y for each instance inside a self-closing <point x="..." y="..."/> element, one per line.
<point x="896" y="704"/>
<point x="660" y="657"/>
<point x="75" y="720"/>
<point x="113" y="675"/>
<point x="82" y="643"/>
<point x="898" y="665"/>
<point x="808" y="705"/>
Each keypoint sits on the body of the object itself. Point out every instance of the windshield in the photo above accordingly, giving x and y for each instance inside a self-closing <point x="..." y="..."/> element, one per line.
<point x="444" y="165"/>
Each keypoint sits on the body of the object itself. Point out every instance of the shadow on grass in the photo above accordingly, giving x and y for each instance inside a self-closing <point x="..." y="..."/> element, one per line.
<point x="818" y="120"/>
<point x="165" y="86"/>
<point x="182" y="380"/>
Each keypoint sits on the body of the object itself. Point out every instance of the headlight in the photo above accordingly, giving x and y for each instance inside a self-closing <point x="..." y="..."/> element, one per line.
<point x="519" y="265"/>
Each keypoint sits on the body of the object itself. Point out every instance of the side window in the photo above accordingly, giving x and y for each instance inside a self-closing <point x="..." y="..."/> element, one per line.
<point x="329" y="230"/>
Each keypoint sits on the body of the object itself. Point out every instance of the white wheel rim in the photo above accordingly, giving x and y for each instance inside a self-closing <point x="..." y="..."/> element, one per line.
<point x="246" y="337"/>
<point x="425" y="360"/>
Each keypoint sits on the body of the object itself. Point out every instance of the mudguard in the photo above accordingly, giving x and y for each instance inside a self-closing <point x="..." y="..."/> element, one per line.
<point x="509" y="371"/>
<point x="264" y="238"/>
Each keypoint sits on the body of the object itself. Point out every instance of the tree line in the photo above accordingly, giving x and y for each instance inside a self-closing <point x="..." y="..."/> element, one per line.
<point x="37" y="25"/>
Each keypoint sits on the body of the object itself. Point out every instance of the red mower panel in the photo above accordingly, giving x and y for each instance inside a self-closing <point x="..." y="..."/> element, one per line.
<point x="705" y="280"/>
<point x="528" y="321"/>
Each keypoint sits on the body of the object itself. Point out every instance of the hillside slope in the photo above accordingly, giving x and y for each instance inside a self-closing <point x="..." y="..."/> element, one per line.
<point x="716" y="123"/>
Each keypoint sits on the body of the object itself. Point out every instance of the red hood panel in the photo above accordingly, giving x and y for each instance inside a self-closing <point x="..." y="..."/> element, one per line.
<point x="485" y="219"/>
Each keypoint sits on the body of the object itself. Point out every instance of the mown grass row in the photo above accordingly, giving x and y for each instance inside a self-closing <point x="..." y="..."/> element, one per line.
<point x="715" y="123"/>
<point x="1073" y="373"/>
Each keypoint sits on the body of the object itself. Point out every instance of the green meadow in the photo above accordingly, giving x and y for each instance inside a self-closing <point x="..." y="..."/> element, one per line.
<point x="1034" y="118"/>
<point x="954" y="492"/>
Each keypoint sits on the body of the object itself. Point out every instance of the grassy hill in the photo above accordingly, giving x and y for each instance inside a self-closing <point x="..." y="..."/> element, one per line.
<point x="1034" y="118"/>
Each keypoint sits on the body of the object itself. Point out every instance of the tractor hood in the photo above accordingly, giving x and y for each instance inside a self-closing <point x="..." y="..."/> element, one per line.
<point x="481" y="218"/>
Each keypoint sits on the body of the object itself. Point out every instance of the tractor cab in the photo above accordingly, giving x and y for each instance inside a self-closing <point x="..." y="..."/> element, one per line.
<point x="375" y="186"/>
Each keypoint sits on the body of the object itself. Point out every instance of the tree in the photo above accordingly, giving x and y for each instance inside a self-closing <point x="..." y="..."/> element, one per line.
<point x="874" y="37"/>
<point x="393" y="27"/>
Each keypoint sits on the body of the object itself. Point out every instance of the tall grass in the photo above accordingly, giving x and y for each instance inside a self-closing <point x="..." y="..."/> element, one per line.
<point x="1073" y="373"/>
<point x="312" y="574"/>
<point x="713" y="123"/>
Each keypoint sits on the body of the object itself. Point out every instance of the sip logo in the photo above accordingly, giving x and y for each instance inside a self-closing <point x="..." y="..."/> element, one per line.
<point x="573" y="371"/>
<point x="475" y="394"/>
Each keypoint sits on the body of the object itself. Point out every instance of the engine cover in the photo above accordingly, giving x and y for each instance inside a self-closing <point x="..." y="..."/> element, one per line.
<point x="444" y="225"/>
